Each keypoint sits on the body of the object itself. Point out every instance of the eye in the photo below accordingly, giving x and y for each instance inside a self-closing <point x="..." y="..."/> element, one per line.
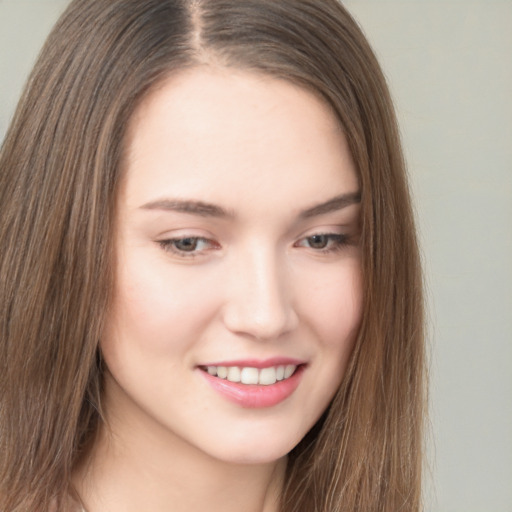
<point x="324" y="242"/>
<point x="188" y="246"/>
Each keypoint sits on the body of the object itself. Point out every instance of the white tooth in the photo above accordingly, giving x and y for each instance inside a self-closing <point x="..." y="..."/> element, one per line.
<point x="234" y="374"/>
<point x="288" y="371"/>
<point x="280" y="373"/>
<point x="212" y="370"/>
<point x="222" y="372"/>
<point x="267" y="376"/>
<point x="249" y="376"/>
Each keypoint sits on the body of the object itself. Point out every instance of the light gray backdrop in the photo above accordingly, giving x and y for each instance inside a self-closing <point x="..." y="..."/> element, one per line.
<point x="449" y="64"/>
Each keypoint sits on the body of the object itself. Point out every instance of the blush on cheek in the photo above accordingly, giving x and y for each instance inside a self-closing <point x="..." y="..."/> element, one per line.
<point x="338" y="305"/>
<point x="150" y="316"/>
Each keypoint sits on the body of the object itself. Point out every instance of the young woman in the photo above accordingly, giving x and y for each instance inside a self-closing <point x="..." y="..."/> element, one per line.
<point x="210" y="286"/>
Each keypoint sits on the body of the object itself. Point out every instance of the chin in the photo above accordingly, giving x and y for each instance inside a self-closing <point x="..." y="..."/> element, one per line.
<point x="254" y="448"/>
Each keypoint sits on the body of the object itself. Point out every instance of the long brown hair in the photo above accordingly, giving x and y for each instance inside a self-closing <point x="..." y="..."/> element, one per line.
<point x="59" y="169"/>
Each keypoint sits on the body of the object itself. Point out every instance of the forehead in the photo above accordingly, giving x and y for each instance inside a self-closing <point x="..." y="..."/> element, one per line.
<point x="235" y="137"/>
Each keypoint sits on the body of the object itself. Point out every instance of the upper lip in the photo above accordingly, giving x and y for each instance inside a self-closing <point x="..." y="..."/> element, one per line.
<point x="258" y="363"/>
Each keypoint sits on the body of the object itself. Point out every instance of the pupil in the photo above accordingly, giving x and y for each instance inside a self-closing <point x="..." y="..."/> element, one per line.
<point x="186" y="244"/>
<point x="318" y="241"/>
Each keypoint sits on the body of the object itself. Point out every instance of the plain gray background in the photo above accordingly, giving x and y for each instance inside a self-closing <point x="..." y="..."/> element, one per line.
<point x="449" y="65"/>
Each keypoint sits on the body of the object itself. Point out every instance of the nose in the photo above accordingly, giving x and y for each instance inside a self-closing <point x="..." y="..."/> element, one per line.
<point x="260" y="299"/>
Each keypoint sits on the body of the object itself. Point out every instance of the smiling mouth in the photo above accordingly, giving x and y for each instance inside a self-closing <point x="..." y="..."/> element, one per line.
<point x="252" y="376"/>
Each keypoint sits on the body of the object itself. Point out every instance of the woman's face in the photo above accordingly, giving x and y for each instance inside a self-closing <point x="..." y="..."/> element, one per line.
<point x="237" y="259"/>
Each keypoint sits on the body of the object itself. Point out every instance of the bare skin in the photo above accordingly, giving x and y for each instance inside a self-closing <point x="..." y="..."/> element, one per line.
<point x="129" y="473"/>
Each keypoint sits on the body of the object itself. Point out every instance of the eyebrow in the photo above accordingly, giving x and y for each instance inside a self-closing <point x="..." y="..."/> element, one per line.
<point x="332" y="205"/>
<point x="204" y="209"/>
<point x="199" y="208"/>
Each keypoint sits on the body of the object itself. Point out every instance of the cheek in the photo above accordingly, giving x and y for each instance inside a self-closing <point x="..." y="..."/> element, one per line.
<point x="334" y="305"/>
<point x="331" y="307"/>
<point x="157" y="308"/>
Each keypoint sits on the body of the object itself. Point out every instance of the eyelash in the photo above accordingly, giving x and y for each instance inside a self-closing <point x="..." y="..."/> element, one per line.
<point x="169" y="245"/>
<point x="334" y="242"/>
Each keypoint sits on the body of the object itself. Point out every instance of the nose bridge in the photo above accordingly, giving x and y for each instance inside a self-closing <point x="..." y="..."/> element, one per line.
<point x="260" y="301"/>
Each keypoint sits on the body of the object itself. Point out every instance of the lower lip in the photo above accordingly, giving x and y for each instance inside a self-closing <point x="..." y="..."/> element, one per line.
<point x="255" y="396"/>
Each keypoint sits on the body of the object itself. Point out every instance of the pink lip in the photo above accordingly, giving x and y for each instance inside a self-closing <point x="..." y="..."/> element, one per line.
<point x="251" y="395"/>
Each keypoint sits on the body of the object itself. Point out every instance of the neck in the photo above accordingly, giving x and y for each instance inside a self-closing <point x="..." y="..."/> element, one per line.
<point x="127" y="471"/>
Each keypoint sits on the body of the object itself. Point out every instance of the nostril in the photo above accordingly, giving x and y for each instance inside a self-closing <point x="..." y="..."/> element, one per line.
<point x="260" y="323"/>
